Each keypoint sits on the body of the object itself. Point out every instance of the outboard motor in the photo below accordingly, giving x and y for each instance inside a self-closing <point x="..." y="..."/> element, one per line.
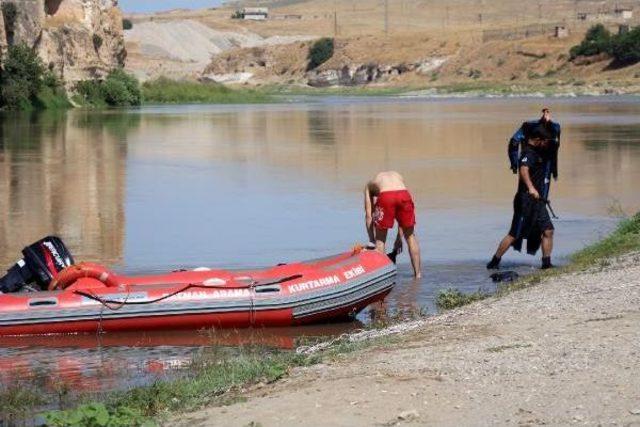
<point x="41" y="262"/>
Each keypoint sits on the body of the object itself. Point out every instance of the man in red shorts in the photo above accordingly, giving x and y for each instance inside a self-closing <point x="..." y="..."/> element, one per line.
<point x="386" y="199"/>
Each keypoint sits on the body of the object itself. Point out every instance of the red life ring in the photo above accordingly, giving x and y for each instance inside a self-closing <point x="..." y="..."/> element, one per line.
<point x="71" y="274"/>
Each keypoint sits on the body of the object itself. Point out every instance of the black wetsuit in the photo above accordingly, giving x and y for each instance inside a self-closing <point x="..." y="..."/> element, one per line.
<point x="530" y="216"/>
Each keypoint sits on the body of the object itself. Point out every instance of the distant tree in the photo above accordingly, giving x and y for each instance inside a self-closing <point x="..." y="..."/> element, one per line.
<point x="320" y="52"/>
<point x="127" y="24"/>
<point x="597" y="40"/>
<point x="626" y="47"/>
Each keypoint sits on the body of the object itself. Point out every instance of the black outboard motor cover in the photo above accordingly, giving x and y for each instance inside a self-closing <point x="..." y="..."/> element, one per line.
<point x="42" y="262"/>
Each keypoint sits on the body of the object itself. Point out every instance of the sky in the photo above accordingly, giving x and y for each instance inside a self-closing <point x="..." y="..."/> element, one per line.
<point x="155" y="5"/>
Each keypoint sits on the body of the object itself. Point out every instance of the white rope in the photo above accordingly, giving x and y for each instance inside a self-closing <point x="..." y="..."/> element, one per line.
<point x="362" y="336"/>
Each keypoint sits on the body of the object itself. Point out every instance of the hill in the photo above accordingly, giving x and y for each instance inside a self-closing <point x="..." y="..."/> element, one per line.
<point x="417" y="43"/>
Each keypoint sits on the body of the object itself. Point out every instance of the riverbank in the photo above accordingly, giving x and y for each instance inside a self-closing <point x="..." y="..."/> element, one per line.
<point x="462" y="89"/>
<point x="559" y="352"/>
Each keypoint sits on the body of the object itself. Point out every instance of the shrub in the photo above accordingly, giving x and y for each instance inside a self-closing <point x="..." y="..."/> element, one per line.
<point x="118" y="89"/>
<point x="320" y="52"/>
<point x="20" y="77"/>
<point x="127" y="24"/>
<point x="597" y="40"/>
<point x="626" y="47"/>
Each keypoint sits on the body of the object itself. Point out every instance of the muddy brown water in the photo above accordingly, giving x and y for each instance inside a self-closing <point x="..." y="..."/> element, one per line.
<point x="159" y="188"/>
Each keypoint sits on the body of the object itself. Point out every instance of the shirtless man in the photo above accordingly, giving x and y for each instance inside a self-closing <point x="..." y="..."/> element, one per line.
<point x="386" y="199"/>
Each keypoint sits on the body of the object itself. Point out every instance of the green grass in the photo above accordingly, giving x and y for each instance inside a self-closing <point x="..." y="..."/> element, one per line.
<point x="339" y="91"/>
<point x="452" y="298"/>
<point x="16" y="401"/>
<point x="624" y="239"/>
<point x="215" y="378"/>
<point x="167" y="91"/>
<point x="219" y="377"/>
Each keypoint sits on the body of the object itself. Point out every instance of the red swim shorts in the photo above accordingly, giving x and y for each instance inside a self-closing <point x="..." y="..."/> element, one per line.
<point x="392" y="205"/>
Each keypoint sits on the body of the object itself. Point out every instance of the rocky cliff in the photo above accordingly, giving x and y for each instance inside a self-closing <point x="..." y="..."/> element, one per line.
<point x="78" y="39"/>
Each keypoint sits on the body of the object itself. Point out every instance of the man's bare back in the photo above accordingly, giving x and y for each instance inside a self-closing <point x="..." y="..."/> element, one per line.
<point x="386" y="181"/>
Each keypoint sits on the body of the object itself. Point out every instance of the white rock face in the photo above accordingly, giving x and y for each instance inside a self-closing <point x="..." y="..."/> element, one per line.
<point x="229" y="78"/>
<point x="78" y="39"/>
<point x="430" y="65"/>
<point x="188" y="46"/>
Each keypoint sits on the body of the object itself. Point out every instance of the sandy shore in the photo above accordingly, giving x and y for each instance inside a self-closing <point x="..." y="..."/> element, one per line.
<point x="564" y="352"/>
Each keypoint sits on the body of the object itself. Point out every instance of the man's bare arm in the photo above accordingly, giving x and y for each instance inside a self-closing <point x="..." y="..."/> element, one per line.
<point x="526" y="177"/>
<point x="368" y="213"/>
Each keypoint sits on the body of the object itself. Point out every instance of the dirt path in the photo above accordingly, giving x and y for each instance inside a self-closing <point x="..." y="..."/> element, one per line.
<point x="565" y="352"/>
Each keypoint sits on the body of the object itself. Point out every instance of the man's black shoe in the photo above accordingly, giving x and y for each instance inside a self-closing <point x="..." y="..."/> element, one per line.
<point x="546" y="263"/>
<point x="494" y="264"/>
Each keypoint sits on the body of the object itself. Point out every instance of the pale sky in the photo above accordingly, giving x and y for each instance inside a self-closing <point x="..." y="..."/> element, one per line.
<point x="155" y="5"/>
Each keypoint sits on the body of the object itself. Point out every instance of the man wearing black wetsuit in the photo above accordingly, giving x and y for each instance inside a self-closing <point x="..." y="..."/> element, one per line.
<point x="538" y="143"/>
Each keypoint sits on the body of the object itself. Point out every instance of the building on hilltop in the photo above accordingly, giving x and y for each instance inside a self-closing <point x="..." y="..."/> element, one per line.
<point x="255" y="13"/>
<point x="623" y="13"/>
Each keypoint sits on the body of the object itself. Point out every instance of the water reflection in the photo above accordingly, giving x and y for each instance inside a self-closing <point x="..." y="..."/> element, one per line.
<point x="61" y="174"/>
<point x="96" y="363"/>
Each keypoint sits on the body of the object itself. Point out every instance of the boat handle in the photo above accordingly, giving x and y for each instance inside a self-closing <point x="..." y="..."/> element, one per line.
<point x="268" y="288"/>
<point x="41" y="302"/>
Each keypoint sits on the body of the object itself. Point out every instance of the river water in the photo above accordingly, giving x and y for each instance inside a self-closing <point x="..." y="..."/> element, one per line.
<point x="159" y="188"/>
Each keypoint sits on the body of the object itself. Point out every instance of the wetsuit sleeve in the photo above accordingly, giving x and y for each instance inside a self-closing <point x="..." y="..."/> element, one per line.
<point x="554" y="155"/>
<point x="514" y="147"/>
<point x="528" y="158"/>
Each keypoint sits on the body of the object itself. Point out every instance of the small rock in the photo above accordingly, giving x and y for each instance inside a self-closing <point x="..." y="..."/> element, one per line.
<point x="635" y="411"/>
<point x="408" y="415"/>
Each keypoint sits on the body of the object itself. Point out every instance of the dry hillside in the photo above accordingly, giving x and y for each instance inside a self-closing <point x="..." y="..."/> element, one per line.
<point x="410" y="43"/>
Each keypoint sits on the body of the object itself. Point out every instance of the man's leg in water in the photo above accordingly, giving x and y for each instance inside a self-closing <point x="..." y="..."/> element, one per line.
<point x="381" y="239"/>
<point x="547" y="248"/>
<point x="414" y="250"/>
<point x="503" y="247"/>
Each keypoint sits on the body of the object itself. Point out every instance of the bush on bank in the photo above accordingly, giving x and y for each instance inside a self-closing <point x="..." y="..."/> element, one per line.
<point x="26" y="84"/>
<point x="596" y="41"/>
<point x="624" y="48"/>
<point x="118" y="89"/>
<point x="320" y="52"/>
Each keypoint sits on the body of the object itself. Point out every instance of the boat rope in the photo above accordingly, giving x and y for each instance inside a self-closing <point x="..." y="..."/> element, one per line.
<point x="114" y="305"/>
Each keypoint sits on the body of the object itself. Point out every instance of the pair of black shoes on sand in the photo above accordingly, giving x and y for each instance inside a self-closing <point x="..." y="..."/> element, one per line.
<point x="494" y="264"/>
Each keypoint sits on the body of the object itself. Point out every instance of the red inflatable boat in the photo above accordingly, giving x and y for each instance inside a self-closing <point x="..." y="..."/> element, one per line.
<point x="89" y="298"/>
